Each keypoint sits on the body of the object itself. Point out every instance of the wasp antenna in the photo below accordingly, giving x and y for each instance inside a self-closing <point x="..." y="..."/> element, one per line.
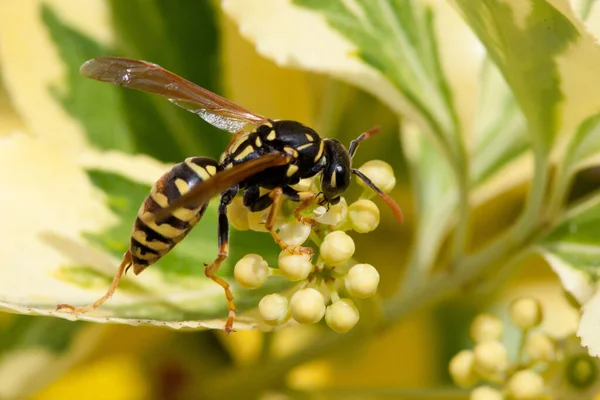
<point x="384" y="196"/>
<point x="365" y="135"/>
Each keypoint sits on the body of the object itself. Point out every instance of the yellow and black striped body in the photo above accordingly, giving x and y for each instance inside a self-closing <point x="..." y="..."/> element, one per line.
<point x="301" y="142"/>
<point x="149" y="241"/>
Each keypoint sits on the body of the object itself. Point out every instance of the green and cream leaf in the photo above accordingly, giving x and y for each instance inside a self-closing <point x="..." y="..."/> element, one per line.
<point x="547" y="56"/>
<point x="572" y="248"/>
<point x="55" y="264"/>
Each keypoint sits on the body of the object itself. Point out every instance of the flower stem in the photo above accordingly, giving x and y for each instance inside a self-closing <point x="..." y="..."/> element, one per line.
<point x="559" y="193"/>
<point x="462" y="175"/>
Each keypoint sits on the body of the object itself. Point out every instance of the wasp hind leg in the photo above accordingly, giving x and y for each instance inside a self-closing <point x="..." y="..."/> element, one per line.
<point x="125" y="264"/>
<point x="211" y="269"/>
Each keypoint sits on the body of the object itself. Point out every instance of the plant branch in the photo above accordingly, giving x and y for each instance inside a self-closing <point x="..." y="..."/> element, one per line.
<point x="461" y="173"/>
<point x="559" y="193"/>
<point x="532" y="214"/>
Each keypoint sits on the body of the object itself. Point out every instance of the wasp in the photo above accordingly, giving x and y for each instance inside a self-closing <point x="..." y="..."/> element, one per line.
<point x="272" y="155"/>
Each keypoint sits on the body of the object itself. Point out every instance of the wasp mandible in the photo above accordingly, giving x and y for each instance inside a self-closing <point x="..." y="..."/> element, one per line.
<point x="274" y="155"/>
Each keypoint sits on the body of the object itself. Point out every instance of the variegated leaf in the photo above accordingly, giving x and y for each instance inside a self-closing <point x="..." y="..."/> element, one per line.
<point x="572" y="248"/>
<point x="72" y="188"/>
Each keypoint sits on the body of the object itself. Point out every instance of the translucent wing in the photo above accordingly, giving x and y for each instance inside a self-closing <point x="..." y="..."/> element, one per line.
<point x="147" y="77"/>
<point x="204" y="191"/>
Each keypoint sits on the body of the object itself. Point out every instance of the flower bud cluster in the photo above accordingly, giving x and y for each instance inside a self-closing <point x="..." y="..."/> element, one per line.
<point x="320" y="281"/>
<point x="544" y="366"/>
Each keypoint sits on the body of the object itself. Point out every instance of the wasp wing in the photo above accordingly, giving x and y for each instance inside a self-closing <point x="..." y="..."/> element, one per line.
<point x="148" y="77"/>
<point x="205" y="190"/>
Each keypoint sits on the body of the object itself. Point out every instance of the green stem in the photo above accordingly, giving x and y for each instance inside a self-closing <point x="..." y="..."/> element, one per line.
<point x="559" y="193"/>
<point x="522" y="341"/>
<point x="461" y="173"/>
<point x="531" y="216"/>
<point x="469" y="267"/>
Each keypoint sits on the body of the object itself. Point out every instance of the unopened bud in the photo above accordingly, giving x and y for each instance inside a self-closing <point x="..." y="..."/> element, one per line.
<point x="337" y="247"/>
<point x="486" y="327"/>
<point x="237" y="214"/>
<point x="462" y="369"/>
<point x="540" y="347"/>
<point x="342" y="315"/>
<point x="257" y="220"/>
<point x="491" y="359"/>
<point x="274" y="309"/>
<point x="293" y="232"/>
<point x="526" y="385"/>
<point x="336" y="213"/>
<point x="380" y="173"/>
<point x="304" y="185"/>
<point x="486" y="393"/>
<point x="295" y="267"/>
<point x="525" y="313"/>
<point x="364" y="216"/>
<point x="251" y="271"/>
<point x="362" y="281"/>
<point x="307" y="306"/>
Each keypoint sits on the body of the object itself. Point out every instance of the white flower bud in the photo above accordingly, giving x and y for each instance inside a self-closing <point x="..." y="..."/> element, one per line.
<point x="319" y="212"/>
<point x="274" y="309"/>
<point x="486" y="393"/>
<point x="251" y="271"/>
<point x="491" y="359"/>
<point x="336" y="213"/>
<point x="462" y="369"/>
<point x="304" y="185"/>
<point x="526" y="385"/>
<point x="256" y="220"/>
<point x="539" y="347"/>
<point x="293" y="232"/>
<point x="364" y="216"/>
<point x="237" y="214"/>
<point x="525" y="313"/>
<point x="380" y="173"/>
<point x="362" y="281"/>
<point x="307" y="306"/>
<point x="295" y="267"/>
<point x="342" y="315"/>
<point x="337" y="247"/>
<point x="486" y="327"/>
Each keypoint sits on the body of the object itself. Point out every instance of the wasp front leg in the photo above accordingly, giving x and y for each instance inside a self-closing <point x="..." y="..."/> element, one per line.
<point x="211" y="269"/>
<point x="277" y="196"/>
<point x="305" y="199"/>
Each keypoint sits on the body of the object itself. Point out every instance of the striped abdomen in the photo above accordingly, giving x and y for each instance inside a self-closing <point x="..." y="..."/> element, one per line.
<point x="149" y="241"/>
